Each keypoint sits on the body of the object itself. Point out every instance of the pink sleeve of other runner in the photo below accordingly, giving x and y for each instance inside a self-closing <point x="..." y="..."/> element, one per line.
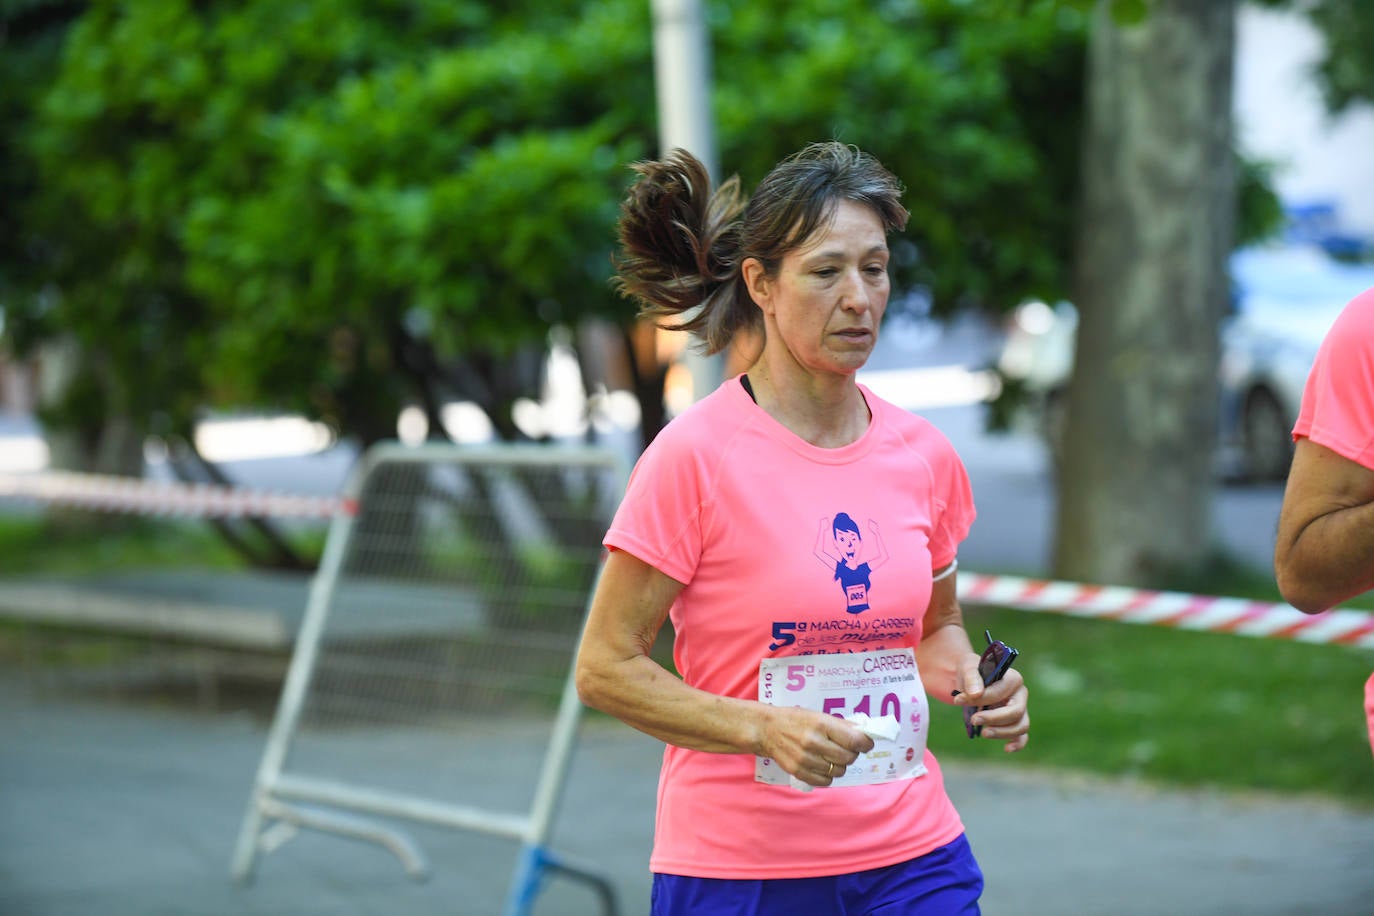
<point x="1338" y="403"/>
<point x="1369" y="708"/>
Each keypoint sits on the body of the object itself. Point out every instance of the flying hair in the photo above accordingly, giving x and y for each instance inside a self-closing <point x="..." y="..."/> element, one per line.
<point x="678" y="241"/>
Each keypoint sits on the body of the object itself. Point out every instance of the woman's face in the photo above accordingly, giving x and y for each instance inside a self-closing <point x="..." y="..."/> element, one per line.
<point x="828" y="297"/>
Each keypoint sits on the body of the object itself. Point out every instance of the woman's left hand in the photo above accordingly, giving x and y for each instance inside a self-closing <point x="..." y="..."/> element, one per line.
<point x="1008" y="716"/>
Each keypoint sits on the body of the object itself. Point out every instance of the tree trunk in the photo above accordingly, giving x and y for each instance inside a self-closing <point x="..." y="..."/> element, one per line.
<point x="1150" y="283"/>
<point x="91" y="438"/>
<point x="97" y="439"/>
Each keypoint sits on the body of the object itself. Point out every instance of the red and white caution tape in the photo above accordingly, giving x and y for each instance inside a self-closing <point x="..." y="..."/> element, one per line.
<point x="103" y="493"/>
<point x="1174" y="609"/>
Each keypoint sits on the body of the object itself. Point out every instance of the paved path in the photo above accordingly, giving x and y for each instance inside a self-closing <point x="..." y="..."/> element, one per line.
<point x="123" y="808"/>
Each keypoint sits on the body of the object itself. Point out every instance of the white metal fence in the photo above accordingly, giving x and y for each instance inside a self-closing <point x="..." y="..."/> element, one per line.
<point x="447" y="607"/>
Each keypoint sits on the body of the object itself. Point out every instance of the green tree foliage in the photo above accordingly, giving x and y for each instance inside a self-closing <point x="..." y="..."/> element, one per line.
<point x="976" y="106"/>
<point x="307" y="205"/>
<point x="1345" y="71"/>
<point x="340" y="206"/>
<point x="31" y="33"/>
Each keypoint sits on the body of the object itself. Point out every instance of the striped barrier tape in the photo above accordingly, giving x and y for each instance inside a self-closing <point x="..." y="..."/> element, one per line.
<point x="1163" y="608"/>
<point x="103" y="493"/>
<point x="1185" y="611"/>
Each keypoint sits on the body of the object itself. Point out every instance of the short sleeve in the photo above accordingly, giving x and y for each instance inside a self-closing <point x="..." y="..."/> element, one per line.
<point x="954" y="505"/>
<point x="1337" y="409"/>
<point x="660" y="519"/>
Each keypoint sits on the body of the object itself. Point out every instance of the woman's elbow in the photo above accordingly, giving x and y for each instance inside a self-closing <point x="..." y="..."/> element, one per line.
<point x="588" y="682"/>
<point x="1302" y="592"/>
<point x="597" y="681"/>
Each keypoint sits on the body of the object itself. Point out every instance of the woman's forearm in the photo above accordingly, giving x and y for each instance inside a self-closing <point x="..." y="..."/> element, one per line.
<point x="1324" y="546"/>
<point x="1329" y="560"/>
<point x="939" y="657"/>
<point x="642" y="694"/>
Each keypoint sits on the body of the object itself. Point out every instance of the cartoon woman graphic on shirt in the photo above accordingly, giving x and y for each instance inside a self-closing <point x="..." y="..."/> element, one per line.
<point x="839" y="543"/>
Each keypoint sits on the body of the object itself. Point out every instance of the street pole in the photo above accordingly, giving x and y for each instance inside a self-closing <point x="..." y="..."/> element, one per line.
<point x="682" y="75"/>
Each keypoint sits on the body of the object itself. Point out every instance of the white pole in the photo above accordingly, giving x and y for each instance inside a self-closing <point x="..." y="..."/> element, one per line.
<point x="682" y="74"/>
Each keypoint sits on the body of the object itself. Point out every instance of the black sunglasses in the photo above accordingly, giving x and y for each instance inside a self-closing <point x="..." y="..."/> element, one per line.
<point x="993" y="663"/>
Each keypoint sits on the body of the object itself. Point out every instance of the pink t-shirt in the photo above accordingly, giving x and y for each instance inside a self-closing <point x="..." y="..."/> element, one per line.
<point x="1369" y="708"/>
<point x="1338" y="403"/>
<point x="788" y="549"/>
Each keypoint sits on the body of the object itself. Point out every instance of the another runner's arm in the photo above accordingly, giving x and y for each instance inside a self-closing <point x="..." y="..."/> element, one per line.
<point x="617" y="674"/>
<point x="1324" y="549"/>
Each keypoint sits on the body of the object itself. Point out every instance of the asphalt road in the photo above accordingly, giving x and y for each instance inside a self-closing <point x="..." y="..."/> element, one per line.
<point x="131" y="809"/>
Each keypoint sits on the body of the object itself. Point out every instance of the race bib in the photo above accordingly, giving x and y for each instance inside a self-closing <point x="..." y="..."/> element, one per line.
<point x="876" y="684"/>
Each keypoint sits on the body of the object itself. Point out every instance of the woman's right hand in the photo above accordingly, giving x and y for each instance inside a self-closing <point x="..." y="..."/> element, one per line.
<point x="811" y="746"/>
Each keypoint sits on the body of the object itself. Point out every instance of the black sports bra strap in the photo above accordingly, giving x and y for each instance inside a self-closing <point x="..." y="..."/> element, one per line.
<point x="744" y="380"/>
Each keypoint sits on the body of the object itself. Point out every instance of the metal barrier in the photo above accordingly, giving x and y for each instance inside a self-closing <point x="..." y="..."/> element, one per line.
<point x="447" y="606"/>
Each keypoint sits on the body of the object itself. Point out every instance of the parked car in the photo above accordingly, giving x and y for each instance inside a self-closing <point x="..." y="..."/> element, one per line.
<point x="1284" y="301"/>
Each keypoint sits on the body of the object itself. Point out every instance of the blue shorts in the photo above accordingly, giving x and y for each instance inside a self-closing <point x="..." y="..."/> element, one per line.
<point x="944" y="882"/>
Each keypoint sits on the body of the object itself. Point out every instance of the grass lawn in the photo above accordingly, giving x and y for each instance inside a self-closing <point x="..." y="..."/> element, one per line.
<point x="1182" y="707"/>
<point x="1164" y="705"/>
<point x="30" y="546"/>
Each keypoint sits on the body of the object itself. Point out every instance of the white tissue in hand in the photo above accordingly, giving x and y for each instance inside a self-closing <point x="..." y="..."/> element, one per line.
<point x="879" y="727"/>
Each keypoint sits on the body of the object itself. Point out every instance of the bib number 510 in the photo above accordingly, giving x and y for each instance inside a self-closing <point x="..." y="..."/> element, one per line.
<point x="890" y="705"/>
